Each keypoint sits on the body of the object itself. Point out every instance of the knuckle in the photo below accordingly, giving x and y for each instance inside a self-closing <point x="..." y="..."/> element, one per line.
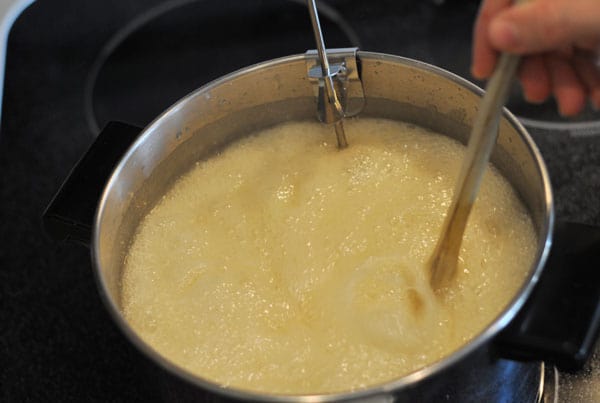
<point x="553" y="28"/>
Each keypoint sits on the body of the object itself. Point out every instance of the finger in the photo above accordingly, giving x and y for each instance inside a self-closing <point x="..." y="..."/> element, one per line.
<point x="568" y="90"/>
<point x="544" y="25"/>
<point x="535" y="79"/>
<point x="591" y="44"/>
<point x="587" y="71"/>
<point x="484" y="56"/>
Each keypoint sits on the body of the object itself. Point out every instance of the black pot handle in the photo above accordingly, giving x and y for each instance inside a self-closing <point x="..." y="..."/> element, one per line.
<point x="560" y="322"/>
<point x="70" y="214"/>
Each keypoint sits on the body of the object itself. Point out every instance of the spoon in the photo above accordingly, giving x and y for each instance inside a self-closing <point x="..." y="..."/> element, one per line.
<point x="484" y="134"/>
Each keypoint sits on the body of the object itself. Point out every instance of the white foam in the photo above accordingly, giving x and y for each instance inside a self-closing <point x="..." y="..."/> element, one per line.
<point x="285" y="265"/>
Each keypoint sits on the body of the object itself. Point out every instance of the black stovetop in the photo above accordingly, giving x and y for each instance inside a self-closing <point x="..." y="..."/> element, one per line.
<point x="72" y="66"/>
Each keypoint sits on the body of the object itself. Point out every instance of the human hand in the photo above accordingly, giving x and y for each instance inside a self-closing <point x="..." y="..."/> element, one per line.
<point x="559" y="40"/>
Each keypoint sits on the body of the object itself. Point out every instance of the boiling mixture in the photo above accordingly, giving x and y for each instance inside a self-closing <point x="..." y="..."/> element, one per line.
<point x="285" y="265"/>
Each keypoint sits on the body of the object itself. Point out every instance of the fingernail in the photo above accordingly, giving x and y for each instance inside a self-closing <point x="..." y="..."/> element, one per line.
<point x="478" y="74"/>
<point x="534" y="98"/>
<point x="504" y="34"/>
<point x="535" y="101"/>
<point x="568" y="111"/>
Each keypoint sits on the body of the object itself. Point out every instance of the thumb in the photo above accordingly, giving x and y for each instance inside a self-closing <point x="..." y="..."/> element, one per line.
<point x="544" y="25"/>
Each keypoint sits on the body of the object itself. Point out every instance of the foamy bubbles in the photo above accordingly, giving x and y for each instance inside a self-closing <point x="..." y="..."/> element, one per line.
<point x="285" y="265"/>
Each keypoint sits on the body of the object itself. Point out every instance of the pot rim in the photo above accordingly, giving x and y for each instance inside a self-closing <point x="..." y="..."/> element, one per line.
<point x="388" y="387"/>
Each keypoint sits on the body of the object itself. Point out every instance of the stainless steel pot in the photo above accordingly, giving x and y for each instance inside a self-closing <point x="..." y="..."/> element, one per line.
<point x="277" y="91"/>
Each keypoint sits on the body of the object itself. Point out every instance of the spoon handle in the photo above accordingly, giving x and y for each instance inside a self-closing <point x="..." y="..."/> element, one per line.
<point x="481" y="143"/>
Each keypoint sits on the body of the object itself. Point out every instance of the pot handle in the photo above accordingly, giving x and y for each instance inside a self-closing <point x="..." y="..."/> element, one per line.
<point x="560" y="321"/>
<point x="70" y="214"/>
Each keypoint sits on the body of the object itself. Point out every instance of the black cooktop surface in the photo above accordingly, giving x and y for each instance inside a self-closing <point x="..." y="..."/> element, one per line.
<point x="72" y="66"/>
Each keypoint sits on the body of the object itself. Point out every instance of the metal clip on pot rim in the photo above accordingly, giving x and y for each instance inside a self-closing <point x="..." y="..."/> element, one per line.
<point x="344" y="71"/>
<point x="332" y="92"/>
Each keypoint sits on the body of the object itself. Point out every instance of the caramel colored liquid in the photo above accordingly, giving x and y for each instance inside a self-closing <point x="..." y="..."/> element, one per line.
<point x="285" y="265"/>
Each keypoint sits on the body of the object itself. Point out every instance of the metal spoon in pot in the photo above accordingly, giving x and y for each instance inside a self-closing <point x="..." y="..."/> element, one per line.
<point x="484" y="134"/>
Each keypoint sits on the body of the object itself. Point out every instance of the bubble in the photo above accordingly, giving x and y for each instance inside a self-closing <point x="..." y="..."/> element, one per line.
<point x="281" y="264"/>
